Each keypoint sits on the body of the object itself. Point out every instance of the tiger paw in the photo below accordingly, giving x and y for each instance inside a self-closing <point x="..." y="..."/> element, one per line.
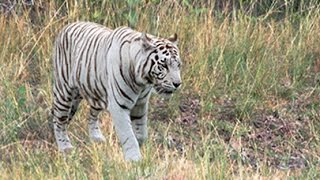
<point x="96" y="135"/>
<point x="133" y="156"/>
<point x="65" y="147"/>
<point x="95" y="132"/>
<point x="98" y="138"/>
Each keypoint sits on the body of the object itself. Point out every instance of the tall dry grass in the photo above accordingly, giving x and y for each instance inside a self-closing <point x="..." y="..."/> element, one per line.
<point x="236" y="64"/>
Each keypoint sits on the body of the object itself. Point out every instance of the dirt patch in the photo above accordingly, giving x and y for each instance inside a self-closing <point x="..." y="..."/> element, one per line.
<point x="184" y="118"/>
<point x="189" y="109"/>
<point x="225" y="109"/>
<point x="279" y="136"/>
<point x="283" y="138"/>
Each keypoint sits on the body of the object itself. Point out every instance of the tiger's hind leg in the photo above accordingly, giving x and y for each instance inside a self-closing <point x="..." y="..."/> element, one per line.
<point x="76" y="99"/>
<point x="64" y="108"/>
<point x="93" y="125"/>
<point x="60" y="112"/>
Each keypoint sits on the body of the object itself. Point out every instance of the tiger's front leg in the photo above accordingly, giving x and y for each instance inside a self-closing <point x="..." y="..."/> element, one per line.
<point x="138" y="117"/>
<point x="122" y="124"/>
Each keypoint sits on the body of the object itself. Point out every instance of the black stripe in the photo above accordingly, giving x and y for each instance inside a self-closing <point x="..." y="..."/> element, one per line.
<point x="60" y="107"/>
<point x="88" y="76"/>
<point x="58" y="125"/>
<point x="102" y="85"/>
<point x="75" y="28"/>
<point x="125" y="36"/>
<point x="96" y="108"/>
<point x="93" y="116"/>
<point x="96" y="89"/>
<point x="63" y="67"/>
<point x="132" y="70"/>
<point x="62" y="119"/>
<point x="80" y="33"/>
<point x="78" y="71"/>
<point x="121" y="91"/>
<point x="70" y="58"/>
<point x="125" y="141"/>
<point x="140" y="124"/>
<point x="96" y="47"/>
<point x="89" y="93"/>
<point x="134" y="89"/>
<point x="121" y="31"/>
<point x="99" y="97"/>
<point x="132" y="74"/>
<point x="65" y="40"/>
<point x="135" y="57"/>
<point x="133" y="118"/>
<point x="159" y="44"/>
<point x="110" y="41"/>
<point x="66" y="106"/>
<point x="92" y="39"/>
<point x="58" y="86"/>
<point x="70" y="27"/>
<point x="145" y="64"/>
<point x="149" y="80"/>
<point x="61" y="95"/>
<point x="89" y="62"/>
<point x="67" y="88"/>
<point x="85" y="89"/>
<point x="144" y="96"/>
<point x="121" y="105"/>
<point x="83" y="49"/>
<point x="151" y="66"/>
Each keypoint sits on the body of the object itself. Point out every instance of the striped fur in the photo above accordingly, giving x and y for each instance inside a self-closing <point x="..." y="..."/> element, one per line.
<point x="114" y="70"/>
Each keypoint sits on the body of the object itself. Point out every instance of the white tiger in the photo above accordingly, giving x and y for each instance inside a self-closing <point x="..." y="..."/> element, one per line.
<point x="113" y="70"/>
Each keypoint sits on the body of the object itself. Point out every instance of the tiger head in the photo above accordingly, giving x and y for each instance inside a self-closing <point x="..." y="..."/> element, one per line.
<point x="164" y="63"/>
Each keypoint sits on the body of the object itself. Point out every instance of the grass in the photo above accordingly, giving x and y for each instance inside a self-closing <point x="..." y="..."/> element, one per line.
<point x="248" y="108"/>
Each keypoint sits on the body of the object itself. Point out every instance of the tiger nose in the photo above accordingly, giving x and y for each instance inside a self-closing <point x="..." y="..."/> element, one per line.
<point x="176" y="84"/>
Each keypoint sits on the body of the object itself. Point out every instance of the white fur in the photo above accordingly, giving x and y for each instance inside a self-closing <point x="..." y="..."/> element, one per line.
<point x="63" y="140"/>
<point x="95" y="132"/>
<point x="128" y="106"/>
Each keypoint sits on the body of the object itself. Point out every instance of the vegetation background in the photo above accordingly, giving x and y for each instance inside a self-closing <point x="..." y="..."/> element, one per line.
<point x="248" y="108"/>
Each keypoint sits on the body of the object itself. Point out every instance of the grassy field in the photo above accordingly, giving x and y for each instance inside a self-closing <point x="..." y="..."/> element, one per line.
<point x="248" y="108"/>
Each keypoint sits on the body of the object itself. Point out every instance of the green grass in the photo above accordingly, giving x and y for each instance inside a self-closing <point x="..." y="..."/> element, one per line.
<point x="248" y="108"/>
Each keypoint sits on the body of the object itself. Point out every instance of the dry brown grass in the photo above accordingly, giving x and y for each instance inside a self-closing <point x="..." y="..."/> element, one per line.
<point x="245" y="77"/>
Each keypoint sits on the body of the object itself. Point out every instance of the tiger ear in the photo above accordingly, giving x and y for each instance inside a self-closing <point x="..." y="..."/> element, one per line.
<point x="174" y="39"/>
<point x="146" y="42"/>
